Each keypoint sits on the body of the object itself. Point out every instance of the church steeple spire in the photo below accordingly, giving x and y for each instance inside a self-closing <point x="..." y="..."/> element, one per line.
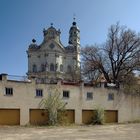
<point x="74" y="34"/>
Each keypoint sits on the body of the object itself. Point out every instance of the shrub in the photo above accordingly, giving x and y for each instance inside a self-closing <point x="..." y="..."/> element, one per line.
<point x="98" y="116"/>
<point x="54" y="106"/>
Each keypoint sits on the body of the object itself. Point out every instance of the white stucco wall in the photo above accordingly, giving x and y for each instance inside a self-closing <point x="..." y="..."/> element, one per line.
<point x="24" y="98"/>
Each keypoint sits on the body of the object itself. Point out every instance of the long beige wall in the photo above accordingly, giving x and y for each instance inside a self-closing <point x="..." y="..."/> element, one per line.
<point x="24" y="98"/>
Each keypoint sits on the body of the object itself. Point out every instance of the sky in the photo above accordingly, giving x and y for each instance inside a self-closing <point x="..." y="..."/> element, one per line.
<point x="23" y="20"/>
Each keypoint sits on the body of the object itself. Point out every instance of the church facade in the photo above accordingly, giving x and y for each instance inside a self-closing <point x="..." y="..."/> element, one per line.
<point x="51" y="60"/>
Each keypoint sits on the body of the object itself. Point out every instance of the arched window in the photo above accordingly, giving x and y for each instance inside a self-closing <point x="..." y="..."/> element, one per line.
<point x="42" y="67"/>
<point x="51" y="67"/>
<point x="61" y="68"/>
<point x="34" y="68"/>
<point x="69" y="69"/>
<point x="56" y="66"/>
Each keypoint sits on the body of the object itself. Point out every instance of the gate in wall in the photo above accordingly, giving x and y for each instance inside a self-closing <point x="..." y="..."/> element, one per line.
<point x="9" y="116"/>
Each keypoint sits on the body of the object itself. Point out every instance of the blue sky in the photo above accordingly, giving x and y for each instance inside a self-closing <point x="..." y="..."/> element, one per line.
<point x="22" y="20"/>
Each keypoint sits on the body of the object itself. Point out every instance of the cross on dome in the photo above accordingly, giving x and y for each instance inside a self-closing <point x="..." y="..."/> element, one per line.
<point x="74" y="17"/>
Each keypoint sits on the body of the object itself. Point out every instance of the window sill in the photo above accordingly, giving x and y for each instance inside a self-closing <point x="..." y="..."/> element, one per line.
<point x="38" y="96"/>
<point x="8" y="95"/>
<point x="89" y="99"/>
<point x="65" y="98"/>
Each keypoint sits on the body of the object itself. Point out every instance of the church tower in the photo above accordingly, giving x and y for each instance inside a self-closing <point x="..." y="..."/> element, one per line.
<point x="74" y="40"/>
<point x="74" y="36"/>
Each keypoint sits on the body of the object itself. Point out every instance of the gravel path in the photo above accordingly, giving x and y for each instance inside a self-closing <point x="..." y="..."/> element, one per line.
<point x="105" y="132"/>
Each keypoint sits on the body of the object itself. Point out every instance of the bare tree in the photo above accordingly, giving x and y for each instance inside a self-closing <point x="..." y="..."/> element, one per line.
<point x="118" y="57"/>
<point x="131" y="85"/>
<point x="94" y="62"/>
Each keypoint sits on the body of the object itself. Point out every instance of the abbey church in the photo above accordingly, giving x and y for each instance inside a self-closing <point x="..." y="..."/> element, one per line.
<point x="53" y="64"/>
<point x="51" y="60"/>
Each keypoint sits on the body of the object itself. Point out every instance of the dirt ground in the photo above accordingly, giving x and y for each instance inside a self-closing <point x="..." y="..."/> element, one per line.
<point x="105" y="132"/>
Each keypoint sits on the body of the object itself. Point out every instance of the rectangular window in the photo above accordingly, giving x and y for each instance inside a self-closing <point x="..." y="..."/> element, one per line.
<point x="110" y="96"/>
<point x="89" y="95"/>
<point x="9" y="91"/>
<point x="39" y="92"/>
<point x="66" y="94"/>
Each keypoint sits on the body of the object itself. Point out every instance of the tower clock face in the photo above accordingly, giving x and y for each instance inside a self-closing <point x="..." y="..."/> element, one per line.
<point x="52" y="46"/>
